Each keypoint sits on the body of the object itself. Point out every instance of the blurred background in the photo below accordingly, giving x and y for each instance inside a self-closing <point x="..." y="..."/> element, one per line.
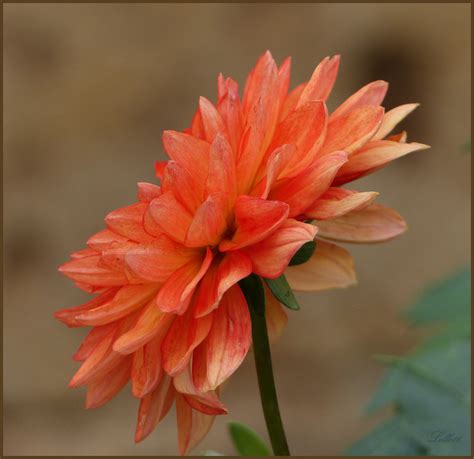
<point x="88" y="89"/>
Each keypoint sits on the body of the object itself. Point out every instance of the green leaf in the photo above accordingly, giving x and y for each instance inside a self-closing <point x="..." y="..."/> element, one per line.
<point x="282" y="292"/>
<point x="304" y="253"/>
<point x="252" y="289"/>
<point x="430" y="388"/>
<point x="246" y="441"/>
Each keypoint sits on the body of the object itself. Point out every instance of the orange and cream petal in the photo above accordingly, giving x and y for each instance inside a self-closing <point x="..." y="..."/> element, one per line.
<point x="329" y="267"/>
<point x="392" y="118"/>
<point x="275" y="314"/>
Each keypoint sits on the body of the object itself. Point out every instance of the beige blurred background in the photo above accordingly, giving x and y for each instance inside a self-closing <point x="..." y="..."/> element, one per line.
<point x="88" y="90"/>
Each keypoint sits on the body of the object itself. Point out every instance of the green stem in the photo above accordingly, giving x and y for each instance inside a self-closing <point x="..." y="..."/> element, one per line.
<point x="266" y="384"/>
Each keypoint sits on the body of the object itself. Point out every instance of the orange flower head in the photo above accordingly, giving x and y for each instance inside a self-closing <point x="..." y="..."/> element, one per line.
<point x="234" y="198"/>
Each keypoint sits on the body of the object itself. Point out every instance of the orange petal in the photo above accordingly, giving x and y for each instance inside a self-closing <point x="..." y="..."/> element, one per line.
<point x="371" y="95"/>
<point x="190" y="152"/>
<point x="392" y="118"/>
<point x="351" y="131"/>
<point x="221" y="276"/>
<point x="171" y="216"/>
<point x="113" y="257"/>
<point x="187" y="190"/>
<point x="153" y="408"/>
<point x="92" y="340"/>
<point x="68" y="315"/>
<point x="106" y="387"/>
<point x="271" y="256"/>
<point x="193" y="425"/>
<point x="372" y="157"/>
<point x="185" y="334"/>
<point x="306" y="129"/>
<point x="374" y="223"/>
<point x="291" y="101"/>
<point x="229" y="338"/>
<point x="256" y="218"/>
<point x="301" y="191"/>
<point x="275" y="313"/>
<point x="339" y="201"/>
<point x="176" y="293"/>
<point x="128" y="222"/>
<point x="330" y="266"/>
<point x="148" y="191"/>
<point x="83" y="253"/>
<point x="103" y="239"/>
<point x="211" y="119"/>
<point x="156" y="261"/>
<point x="151" y="323"/>
<point x="322" y="81"/>
<point x="230" y="109"/>
<point x="209" y="222"/>
<point x="146" y="370"/>
<point x="87" y="270"/>
<point x="128" y="299"/>
<point x="160" y="168"/>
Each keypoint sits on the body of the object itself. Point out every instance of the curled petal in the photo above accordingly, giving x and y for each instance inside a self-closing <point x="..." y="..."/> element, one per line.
<point x="271" y="256"/>
<point x="128" y="222"/>
<point x="301" y="191"/>
<point x="339" y="201"/>
<point x="330" y="267"/>
<point x="374" y="223"/>
<point x="154" y="407"/>
<point x="370" y="95"/>
<point x="256" y="218"/>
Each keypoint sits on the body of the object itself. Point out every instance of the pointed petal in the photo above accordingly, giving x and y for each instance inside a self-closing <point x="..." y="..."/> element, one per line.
<point x="209" y="222"/>
<point x="190" y="152"/>
<point x="336" y="202"/>
<point x="271" y="256"/>
<point x="153" y="408"/>
<point x="128" y="222"/>
<point x="229" y="337"/>
<point x="147" y="191"/>
<point x="375" y="223"/>
<point x="103" y="239"/>
<point x="184" y="335"/>
<point x="151" y="323"/>
<point x="392" y="118"/>
<point x="92" y="340"/>
<point x="283" y="81"/>
<point x="172" y="217"/>
<point x="146" y="371"/>
<point x="372" y="157"/>
<point x="230" y="110"/>
<point x="256" y="218"/>
<point x="106" y="387"/>
<point x="291" y="101"/>
<point x="128" y="299"/>
<point x="221" y="177"/>
<point x="330" y="266"/>
<point x="301" y="191"/>
<point x="68" y="315"/>
<point x="371" y="95"/>
<point x="193" y="425"/>
<point x="351" y="131"/>
<point x="322" y="81"/>
<point x="156" y="261"/>
<point x="176" y="293"/>
<point x="83" y="253"/>
<point x="88" y="270"/>
<point x="212" y="121"/>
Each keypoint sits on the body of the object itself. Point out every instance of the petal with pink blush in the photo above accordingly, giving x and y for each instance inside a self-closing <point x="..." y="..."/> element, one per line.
<point x="370" y="95"/>
<point x="322" y="81"/>
<point x="373" y="224"/>
<point x="351" y="131"/>
<point x="153" y="408"/>
<point x="392" y="118"/>
<point x="372" y="157"/>
<point x="339" y="201"/>
<point x="330" y="267"/>
<point x="128" y="222"/>
<point x="176" y="292"/>
<point x="271" y="256"/>
<point x="256" y="219"/>
<point x="301" y="191"/>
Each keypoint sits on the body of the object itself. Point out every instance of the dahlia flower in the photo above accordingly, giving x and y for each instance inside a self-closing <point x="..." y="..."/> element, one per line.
<point x="246" y="185"/>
